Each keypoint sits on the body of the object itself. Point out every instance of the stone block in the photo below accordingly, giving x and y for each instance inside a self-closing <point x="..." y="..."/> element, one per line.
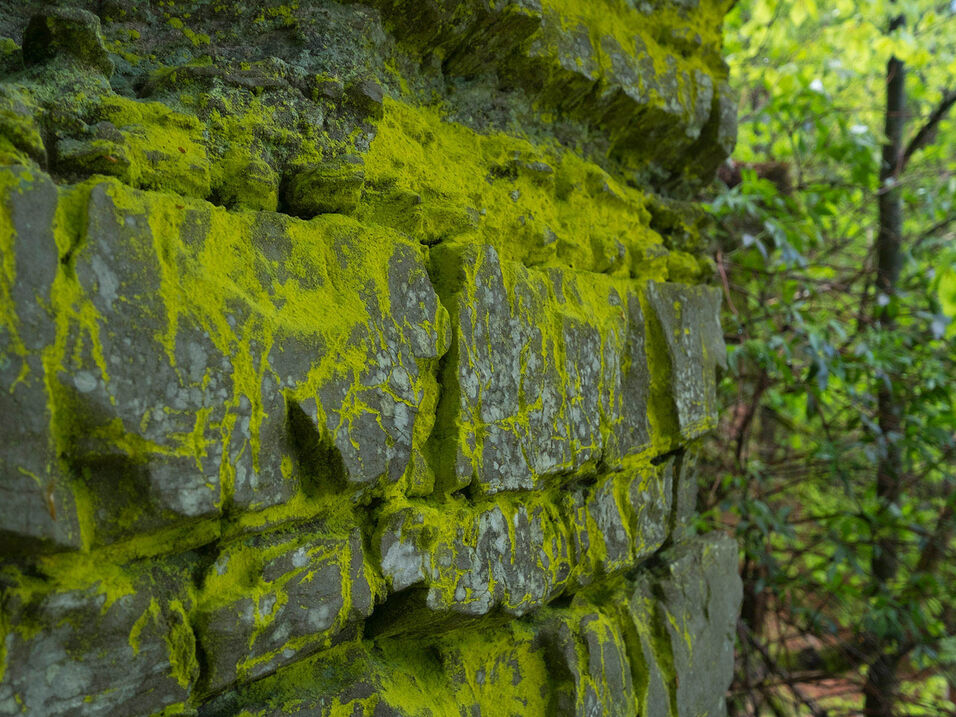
<point x="546" y="365"/>
<point x="622" y="519"/>
<point x="145" y="390"/>
<point x="166" y="150"/>
<point x="330" y="187"/>
<point x="37" y="504"/>
<point x="254" y="185"/>
<point x="69" y="32"/>
<point x="505" y="555"/>
<point x="686" y="616"/>
<point x="99" y="641"/>
<point x="372" y="412"/>
<point x="20" y="138"/>
<point x="175" y="375"/>
<point x="494" y="670"/>
<point x="686" y="325"/>
<point x="588" y="665"/>
<point x="272" y="599"/>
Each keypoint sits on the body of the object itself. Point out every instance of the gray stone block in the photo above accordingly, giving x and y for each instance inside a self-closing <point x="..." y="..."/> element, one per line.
<point x="686" y="322"/>
<point x="139" y="379"/>
<point x="37" y="506"/>
<point x="550" y="370"/>
<point x="116" y="644"/>
<point x="506" y="555"/>
<point x="272" y="599"/>
<point x="620" y="520"/>
<point x="686" y="616"/>
<point x="588" y="665"/>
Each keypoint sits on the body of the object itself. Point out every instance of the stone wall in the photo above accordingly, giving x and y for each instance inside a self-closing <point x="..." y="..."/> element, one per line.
<point x="352" y="356"/>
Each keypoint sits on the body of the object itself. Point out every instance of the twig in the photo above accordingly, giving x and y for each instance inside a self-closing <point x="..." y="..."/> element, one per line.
<point x="927" y="132"/>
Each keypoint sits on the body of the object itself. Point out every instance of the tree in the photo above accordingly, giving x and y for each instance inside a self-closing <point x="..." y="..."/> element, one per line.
<point x="839" y="278"/>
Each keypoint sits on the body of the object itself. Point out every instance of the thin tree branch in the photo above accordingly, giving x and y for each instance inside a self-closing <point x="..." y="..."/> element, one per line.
<point x="775" y="669"/>
<point x="927" y="133"/>
<point x="932" y="231"/>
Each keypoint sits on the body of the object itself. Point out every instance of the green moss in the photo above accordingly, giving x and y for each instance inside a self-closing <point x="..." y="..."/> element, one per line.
<point x="20" y="138"/>
<point x="78" y="571"/>
<point x="440" y="182"/>
<point x="662" y="32"/>
<point x="165" y="147"/>
<point x="181" y="645"/>
<point x="10" y="181"/>
<point x="662" y="411"/>
<point x="500" y="670"/>
<point x="329" y="187"/>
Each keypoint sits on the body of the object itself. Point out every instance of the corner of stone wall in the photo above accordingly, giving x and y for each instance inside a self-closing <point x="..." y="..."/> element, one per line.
<point x="353" y="355"/>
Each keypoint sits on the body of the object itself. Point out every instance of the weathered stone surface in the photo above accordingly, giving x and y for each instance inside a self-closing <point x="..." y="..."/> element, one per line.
<point x="588" y="661"/>
<point x="719" y="136"/>
<point x="37" y="506"/>
<point x="66" y="31"/>
<point x="256" y="186"/>
<point x="501" y="671"/>
<point x="20" y="138"/>
<point x="165" y="150"/>
<point x="519" y="557"/>
<point x="252" y="464"/>
<point x="685" y="488"/>
<point x="367" y="95"/>
<point x="631" y="432"/>
<point x="333" y="186"/>
<point x="139" y="381"/>
<point x="686" y="618"/>
<point x="620" y="520"/>
<point x="113" y="644"/>
<point x="537" y="359"/>
<point x="641" y="85"/>
<point x="166" y="411"/>
<point x="511" y="556"/>
<point x="686" y="320"/>
<point x="272" y="599"/>
<point x="372" y="413"/>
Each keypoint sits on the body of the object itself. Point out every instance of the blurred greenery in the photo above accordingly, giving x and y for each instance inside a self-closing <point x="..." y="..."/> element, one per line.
<point x="792" y="470"/>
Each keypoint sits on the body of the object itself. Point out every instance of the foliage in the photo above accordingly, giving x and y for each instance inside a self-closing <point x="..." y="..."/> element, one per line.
<point x="808" y="356"/>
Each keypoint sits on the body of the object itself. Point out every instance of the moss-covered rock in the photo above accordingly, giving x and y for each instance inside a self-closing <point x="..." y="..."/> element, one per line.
<point x="66" y="32"/>
<point x="352" y="356"/>
<point x="332" y="187"/>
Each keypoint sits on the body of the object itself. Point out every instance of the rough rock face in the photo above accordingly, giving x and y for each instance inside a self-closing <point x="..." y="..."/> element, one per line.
<point x="352" y="356"/>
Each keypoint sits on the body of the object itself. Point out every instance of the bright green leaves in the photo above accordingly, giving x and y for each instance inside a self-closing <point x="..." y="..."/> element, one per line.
<point x="795" y="464"/>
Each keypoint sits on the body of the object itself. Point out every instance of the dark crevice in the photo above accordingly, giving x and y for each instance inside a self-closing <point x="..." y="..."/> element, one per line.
<point x="395" y="614"/>
<point x="560" y="678"/>
<point x="673" y="520"/>
<point x="319" y="463"/>
<point x="664" y="457"/>
<point x="562" y="601"/>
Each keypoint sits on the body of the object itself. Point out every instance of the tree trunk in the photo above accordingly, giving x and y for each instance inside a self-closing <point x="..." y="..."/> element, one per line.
<point x="881" y="682"/>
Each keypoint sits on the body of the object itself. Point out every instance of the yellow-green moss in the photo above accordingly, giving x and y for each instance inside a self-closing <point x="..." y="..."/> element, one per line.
<point x="618" y="19"/>
<point x="181" y="646"/>
<point x="165" y="147"/>
<point x="10" y="181"/>
<point x="500" y="670"/>
<point x="440" y="181"/>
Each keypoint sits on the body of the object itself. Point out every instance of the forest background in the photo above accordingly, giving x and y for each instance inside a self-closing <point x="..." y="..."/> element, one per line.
<point x="835" y="462"/>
